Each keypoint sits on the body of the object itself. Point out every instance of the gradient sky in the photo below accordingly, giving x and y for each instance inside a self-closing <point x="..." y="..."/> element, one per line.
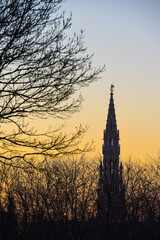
<point x="124" y="36"/>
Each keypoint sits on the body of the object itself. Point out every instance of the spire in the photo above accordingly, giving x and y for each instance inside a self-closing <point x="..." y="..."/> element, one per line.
<point x="110" y="192"/>
<point x="111" y="119"/>
<point x="111" y="134"/>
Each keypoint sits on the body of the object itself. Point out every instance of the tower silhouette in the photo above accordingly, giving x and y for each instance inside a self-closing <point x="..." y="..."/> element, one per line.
<point x="110" y="189"/>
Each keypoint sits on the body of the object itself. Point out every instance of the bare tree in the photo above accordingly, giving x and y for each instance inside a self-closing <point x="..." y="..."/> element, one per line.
<point x="40" y="70"/>
<point x="72" y="191"/>
<point x="59" y="201"/>
<point x="142" y="191"/>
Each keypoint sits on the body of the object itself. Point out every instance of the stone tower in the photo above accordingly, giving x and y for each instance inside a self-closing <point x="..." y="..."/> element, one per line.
<point x="110" y="189"/>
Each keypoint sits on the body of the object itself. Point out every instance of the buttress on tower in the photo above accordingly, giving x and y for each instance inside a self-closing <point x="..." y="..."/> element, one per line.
<point x="110" y="189"/>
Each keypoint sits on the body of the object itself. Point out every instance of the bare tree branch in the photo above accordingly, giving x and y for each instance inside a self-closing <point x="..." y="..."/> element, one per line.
<point x="40" y="71"/>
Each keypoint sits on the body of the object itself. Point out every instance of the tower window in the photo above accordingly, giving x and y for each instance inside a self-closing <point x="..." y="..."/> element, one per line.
<point x="111" y="167"/>
<point x="111" y="141"/>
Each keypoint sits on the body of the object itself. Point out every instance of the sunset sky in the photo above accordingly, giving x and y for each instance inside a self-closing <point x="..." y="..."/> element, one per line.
<point x="124" y="36"/>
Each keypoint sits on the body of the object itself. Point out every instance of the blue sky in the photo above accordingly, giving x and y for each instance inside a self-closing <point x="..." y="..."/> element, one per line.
<point x="124" y="36"/>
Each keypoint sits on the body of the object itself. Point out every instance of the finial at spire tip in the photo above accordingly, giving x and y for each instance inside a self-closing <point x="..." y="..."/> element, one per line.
<point x="112" y="88"/>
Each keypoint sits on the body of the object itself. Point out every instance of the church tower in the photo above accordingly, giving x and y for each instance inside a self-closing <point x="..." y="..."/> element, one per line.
<point x="110" y="181"/>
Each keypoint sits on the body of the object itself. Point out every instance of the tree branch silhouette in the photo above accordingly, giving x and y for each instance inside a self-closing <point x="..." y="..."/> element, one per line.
<point x="41" y="68"/>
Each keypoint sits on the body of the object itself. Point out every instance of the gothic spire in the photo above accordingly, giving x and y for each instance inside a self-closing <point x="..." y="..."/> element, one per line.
<point x="111" y="126"/>
<point x="111" y="193"/>
<point x="111" y="134"/>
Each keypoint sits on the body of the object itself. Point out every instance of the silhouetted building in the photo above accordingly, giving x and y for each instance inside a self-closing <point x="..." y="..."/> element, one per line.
<point x="110" y="190"/>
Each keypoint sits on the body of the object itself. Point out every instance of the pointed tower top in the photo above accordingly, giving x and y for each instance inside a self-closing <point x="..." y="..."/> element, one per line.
<point x="111" y="119"/>
<point x="111" y="147"/>
<point x="112" y="88"/>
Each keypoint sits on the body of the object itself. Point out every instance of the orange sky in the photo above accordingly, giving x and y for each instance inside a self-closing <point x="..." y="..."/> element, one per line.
<point x="125" y="36"/>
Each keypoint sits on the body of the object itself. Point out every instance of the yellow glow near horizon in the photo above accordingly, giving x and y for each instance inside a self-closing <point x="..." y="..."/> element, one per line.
<point x="138" y="136"/>
<point x="125" y="36"/>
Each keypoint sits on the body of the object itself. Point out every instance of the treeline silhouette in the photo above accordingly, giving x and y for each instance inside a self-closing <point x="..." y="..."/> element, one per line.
<point x="59" y="201"/>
